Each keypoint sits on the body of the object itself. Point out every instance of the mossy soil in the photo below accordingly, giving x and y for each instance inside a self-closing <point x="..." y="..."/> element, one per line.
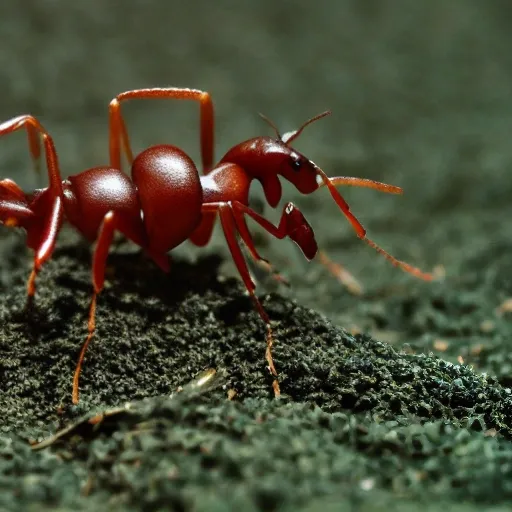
<point x="361" y="424"/>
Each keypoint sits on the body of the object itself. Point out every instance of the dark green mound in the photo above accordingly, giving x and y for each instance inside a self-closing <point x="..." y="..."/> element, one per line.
<point x="359" y="424"/>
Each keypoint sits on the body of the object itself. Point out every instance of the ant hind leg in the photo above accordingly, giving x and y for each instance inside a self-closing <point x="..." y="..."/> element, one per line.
<point x="99" y="261"/>
<point x="42" y="222"/>
<point x="229" y="227"/>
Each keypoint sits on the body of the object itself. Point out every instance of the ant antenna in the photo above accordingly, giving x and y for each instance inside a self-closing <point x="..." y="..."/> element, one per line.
<point x="289" y="137"/>
<point x="271" y="124"/>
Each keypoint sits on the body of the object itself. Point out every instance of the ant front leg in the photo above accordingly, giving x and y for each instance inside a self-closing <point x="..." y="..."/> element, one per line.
<point x="203" y="233"/>
<point x="291" y="220"/>
<point x="341" y="274"/>
<point x="206" y="227"/>
<point x="47" y="209"/>
<point x="292" y="224"/>
<point x="118" y="133"/>
<point x="229" y="226"/>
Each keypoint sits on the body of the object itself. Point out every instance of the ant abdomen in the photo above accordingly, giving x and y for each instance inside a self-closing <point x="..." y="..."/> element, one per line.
<point x="93" y="193"/>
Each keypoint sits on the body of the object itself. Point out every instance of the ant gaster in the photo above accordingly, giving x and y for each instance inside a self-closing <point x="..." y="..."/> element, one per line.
<point x="167" y="201"/>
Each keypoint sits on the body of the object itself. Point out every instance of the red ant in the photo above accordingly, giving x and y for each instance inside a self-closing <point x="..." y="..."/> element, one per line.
<point x="167" y="202"/>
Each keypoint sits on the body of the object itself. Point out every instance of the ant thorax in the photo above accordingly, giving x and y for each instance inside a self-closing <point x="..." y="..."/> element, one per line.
<point x="227" y="182"/>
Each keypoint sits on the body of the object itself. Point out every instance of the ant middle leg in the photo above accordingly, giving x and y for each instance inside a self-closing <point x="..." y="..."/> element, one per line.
<point x="292" y="224"/>
<point x="99" y="261"/>
<point x="111" y="223"/>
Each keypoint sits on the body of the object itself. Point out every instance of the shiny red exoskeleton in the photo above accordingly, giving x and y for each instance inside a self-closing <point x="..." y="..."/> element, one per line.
<point x="167" y="201"/>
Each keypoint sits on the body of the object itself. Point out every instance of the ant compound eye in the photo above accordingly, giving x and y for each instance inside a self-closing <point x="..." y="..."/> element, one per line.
<point x="295" y="162"/>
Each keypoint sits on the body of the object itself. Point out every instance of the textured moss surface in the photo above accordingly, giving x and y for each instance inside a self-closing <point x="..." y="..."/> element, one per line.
<point x="358" y="418"/>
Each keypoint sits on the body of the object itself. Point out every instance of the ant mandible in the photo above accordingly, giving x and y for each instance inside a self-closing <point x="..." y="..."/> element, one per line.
<point x="167" y="202"/>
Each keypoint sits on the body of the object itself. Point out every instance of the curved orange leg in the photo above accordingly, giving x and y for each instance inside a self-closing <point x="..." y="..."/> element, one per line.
<point x="231" y="216"/>
<point x="35" y="129"/>
<point x="99" y="261"/>
<point x="16" y="212"/>
<point x="339" y="271"/>
<point x="229" y="227"/>
<point x="119" y="134"/>
<point x="110" y="224"/>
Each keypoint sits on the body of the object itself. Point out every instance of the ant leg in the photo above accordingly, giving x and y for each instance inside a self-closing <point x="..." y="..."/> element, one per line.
<point x="41" y="235"/>
<point x="34" y="128"/>
<point x="293" y="224"/>
<point x="13" y="213"/>
<point x="47" y="232"/>
<point x="243" y="230"/>
<point x="341" y="273"/>
<point x="300" y="223"/>
<point x="119" y="135"/>
<point x="331" y="184"/>
<point x="111" y="223"/>
<point x="11" y="191"/>
<point x="46" y="235"/>
<point x="229" y="227"/>
<point x="202" y="235"/>
<point x="105" y="237"/>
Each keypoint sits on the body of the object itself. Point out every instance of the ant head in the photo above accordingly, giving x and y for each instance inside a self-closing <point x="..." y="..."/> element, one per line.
<point x="266" y="158"/>
<point x="292" y="165"/>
